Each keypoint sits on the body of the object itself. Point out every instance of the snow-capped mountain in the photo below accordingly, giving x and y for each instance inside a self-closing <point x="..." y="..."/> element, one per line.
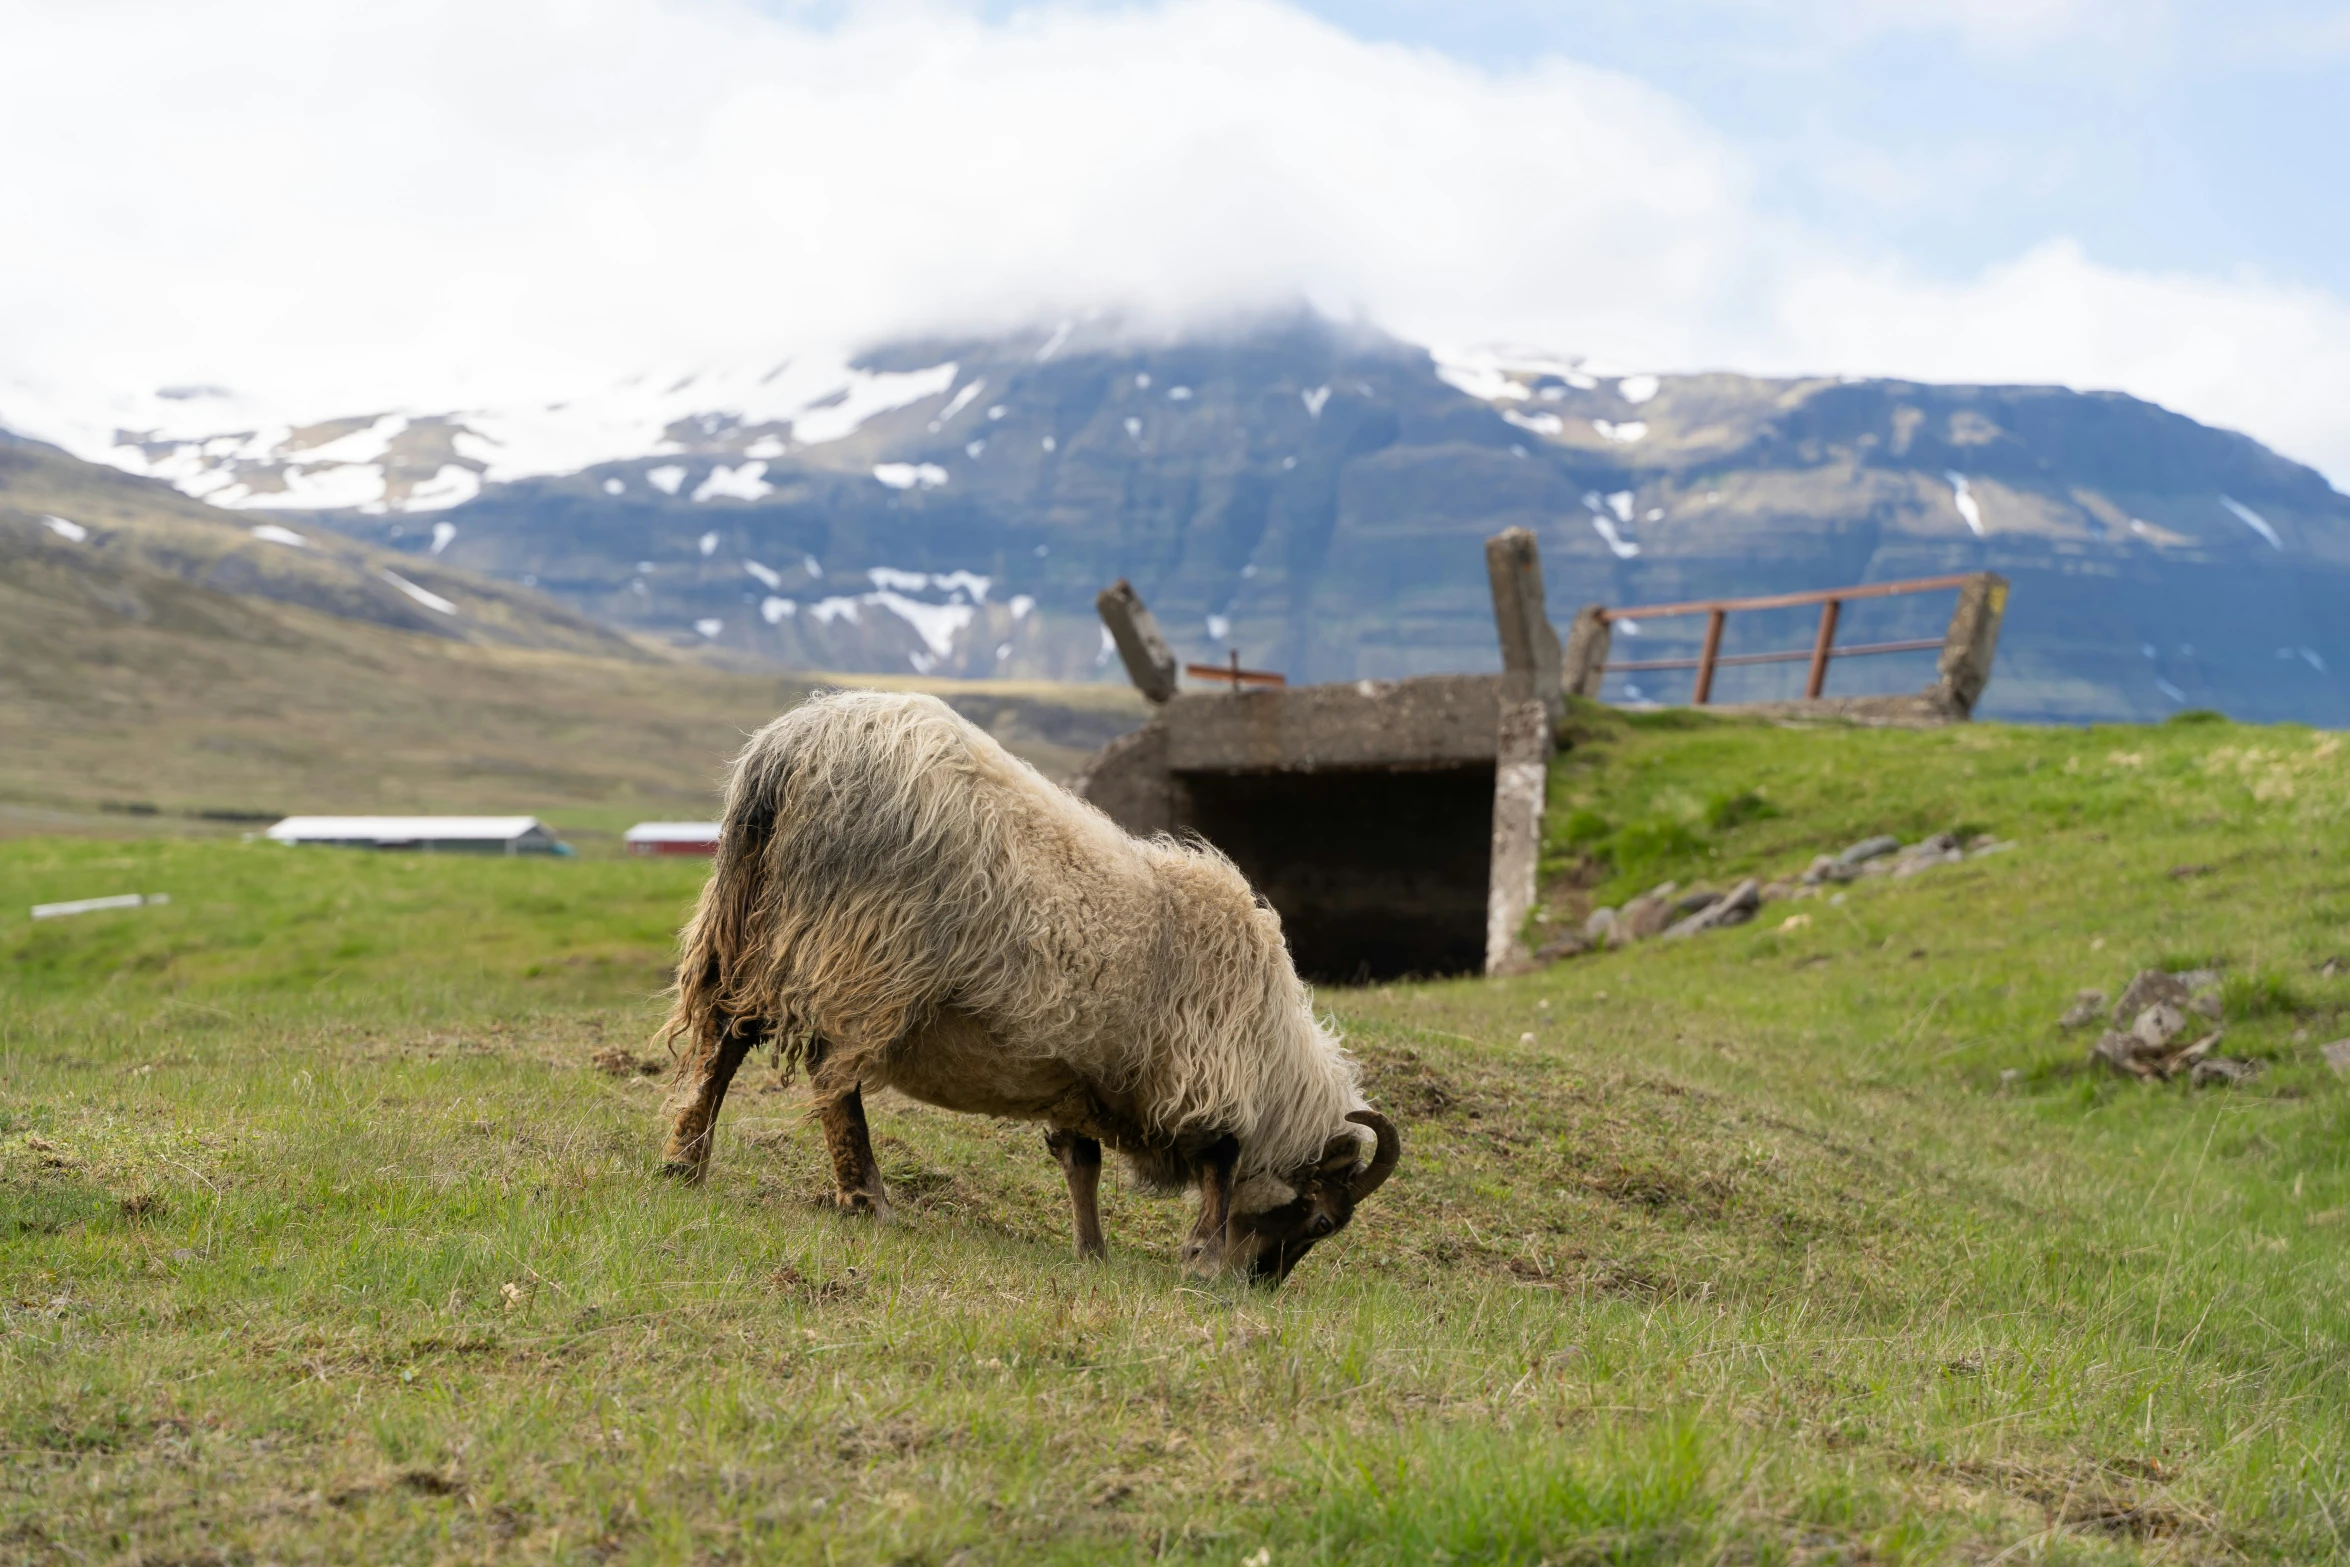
<point x="1313" y="495"/>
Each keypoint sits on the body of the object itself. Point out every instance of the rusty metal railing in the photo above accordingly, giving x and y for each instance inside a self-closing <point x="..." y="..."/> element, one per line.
<point x="1823" y="648"/>
<point x="1234" y="673"/>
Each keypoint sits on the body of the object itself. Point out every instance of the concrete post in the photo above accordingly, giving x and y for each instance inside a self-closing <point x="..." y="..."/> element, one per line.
<point x="1150" y="662"/>
<point x="1521" y="770"/>
<point x="1588" y="638"/>
<point x="1973" y="638"/>
<point x="1529" y="645"/>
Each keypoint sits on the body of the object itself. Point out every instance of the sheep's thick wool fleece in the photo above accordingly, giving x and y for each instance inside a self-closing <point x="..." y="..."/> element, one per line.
<point x="883" y="859"/>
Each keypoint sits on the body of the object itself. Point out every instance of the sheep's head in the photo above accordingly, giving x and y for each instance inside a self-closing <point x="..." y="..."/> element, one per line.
<point x="1275" y="1220"/>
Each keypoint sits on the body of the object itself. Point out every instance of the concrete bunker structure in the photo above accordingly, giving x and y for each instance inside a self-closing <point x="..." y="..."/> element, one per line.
<point x="1397" y="824"/>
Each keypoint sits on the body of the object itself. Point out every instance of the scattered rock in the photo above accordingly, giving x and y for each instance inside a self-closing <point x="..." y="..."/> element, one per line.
<point x="2197" y="978"/>
<point x="1736" y="909"/>
<point x="2136" y="1055"/>
<point x="2206" y="1004"/>
<point x="1869" y="849"/>
<point x="1926" y="853"/>
<point x="1645" y="916"/>
<point x="2224" y="1072"/>
<point x="1564" y="945"/>
<point x="2157" y="1026"/>
<point x="1777" y="891"/>
<point x="1997" y="846"/>
<point x="2332" y="968"/>
<point x="2337" y="1056"/>
<point x="1601" y="922"/>
<point x="1693" y="901"/>
<point x="1793" y="922"/>
<point x="2150" y="985"/>
<point x="2088" y="1006"/>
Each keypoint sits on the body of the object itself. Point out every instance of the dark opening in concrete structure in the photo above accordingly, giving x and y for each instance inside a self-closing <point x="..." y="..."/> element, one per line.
<point x="1376" y="874"/>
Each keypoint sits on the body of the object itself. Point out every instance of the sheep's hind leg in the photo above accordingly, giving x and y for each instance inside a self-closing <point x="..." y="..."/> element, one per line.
<point x="856" y="1174"/>
<point x="1080" y="1158"/>
<point x="708" y="1072"/>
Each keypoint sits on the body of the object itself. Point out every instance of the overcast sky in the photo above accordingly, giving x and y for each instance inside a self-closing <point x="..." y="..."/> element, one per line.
<point x="344" y="208"/>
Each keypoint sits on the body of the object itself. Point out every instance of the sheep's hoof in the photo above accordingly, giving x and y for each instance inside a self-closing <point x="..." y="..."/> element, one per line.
<point x="863" y="1204"/>
<point x="1202" y="1261"/>
<point x="684" y="1170"/>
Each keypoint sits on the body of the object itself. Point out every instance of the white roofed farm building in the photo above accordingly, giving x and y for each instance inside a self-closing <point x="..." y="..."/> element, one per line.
<point x="429" y="834"/>
<point x="672" y="838"/>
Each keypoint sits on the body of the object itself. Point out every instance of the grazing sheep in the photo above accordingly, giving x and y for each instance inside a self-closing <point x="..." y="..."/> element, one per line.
<point x="898" y="902"/>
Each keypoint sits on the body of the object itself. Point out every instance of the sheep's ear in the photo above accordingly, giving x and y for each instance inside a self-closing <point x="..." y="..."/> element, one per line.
<point x="1340" y="1154"/>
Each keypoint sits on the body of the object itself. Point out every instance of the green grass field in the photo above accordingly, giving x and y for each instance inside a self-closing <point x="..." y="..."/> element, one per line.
<point x="321" y="1236"/>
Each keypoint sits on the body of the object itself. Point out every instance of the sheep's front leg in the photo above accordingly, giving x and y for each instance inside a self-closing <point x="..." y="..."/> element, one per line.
<point x="856" y="1174"/>
<point x="705" y="1075"/>
<point x="1080" y="1158"/>
<point x="1203" y="1251"/>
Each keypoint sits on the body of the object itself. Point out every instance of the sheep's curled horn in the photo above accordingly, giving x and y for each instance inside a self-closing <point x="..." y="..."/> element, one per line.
<point x="1383" y="1158"/>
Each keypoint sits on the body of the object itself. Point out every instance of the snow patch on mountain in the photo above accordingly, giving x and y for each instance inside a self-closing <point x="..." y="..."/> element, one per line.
<point x="425" y="596"/>
<point x="2253" y="520"/>
<point x="239" y="453"/>
<point x="734" y="484"/>
<point x="1969" y="509"/>
<point x="910" y="475"/>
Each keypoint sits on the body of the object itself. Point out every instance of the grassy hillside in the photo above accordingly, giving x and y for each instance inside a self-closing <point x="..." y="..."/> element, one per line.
<point x="93" y="534"/>
<point x="209" y="708"/>
<point x="322" y="1236"/>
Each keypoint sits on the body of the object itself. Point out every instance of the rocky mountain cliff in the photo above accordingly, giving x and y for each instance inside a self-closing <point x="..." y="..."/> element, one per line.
<point x="1313" y="495"/>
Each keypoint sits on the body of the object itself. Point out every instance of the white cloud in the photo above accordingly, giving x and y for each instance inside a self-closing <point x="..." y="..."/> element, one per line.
<point x="340" y="209"/>
<point x="2267" y="359"/>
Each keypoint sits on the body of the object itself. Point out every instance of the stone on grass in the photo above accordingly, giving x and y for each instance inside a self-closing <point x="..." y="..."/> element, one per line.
<point x="2337" y="1056"/>
<point x="1694" y="900"/>
<point x="2119" y="1051"/>
<point x="1565" y="944"/>
<point x="1645" y="916"/>
<point x="1926" y="853"/>
<point x="2088" y="1006"/>
<point x="1777" y="892"/>
<point x="2207" y="1004"/>
<point x="2158" y="1025"/>
<point x="1602" y="921"/>
<point x="1869" y="849"/>
<point x="2225" y="1072"/>
<point x="2150" y="1055"/>
<point x="2150" y="985"/>
<point x="1736" y="909"/>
